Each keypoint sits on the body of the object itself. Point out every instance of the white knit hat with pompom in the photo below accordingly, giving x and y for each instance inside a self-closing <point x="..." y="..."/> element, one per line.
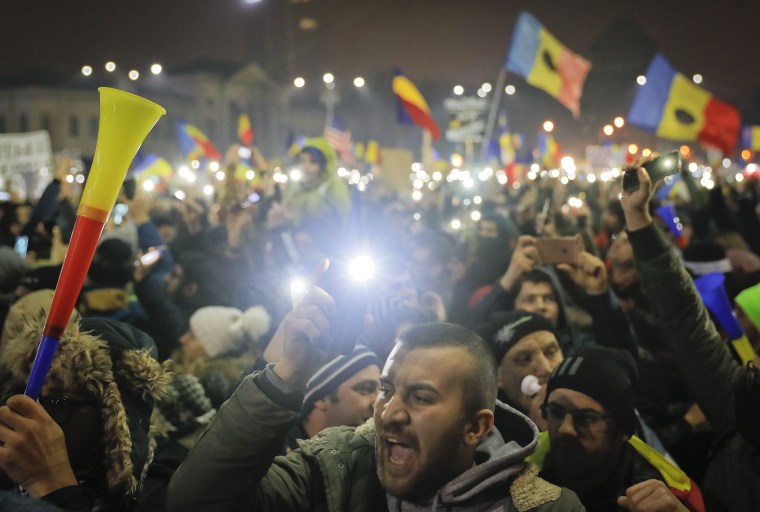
<point x="221" y="329"/>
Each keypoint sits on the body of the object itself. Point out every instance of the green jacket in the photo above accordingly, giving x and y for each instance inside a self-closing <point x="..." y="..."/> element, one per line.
<point x="235" y="466"/>
<point x="732" y="481"/>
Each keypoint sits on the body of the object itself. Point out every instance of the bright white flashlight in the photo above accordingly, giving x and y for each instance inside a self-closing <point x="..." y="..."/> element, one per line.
<point x="361" y="268"/>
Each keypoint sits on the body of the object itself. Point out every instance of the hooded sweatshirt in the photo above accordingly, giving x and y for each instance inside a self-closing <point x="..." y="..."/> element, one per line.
<point x="499" y="465"/>
<point x="234" y="468"/>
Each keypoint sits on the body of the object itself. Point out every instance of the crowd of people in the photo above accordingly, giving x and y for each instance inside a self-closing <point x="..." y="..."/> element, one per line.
<point x="227" y="353"/>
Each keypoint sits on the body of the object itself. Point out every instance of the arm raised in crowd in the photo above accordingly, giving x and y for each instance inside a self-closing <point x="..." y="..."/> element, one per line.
<point x="235" y="465"/>
<point x="611" y="326"/>
<point x="502" y="295"/>
<point x="704" y="360"/>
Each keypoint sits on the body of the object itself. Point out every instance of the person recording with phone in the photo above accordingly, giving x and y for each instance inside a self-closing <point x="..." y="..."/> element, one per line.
<point x="530" y="285"/>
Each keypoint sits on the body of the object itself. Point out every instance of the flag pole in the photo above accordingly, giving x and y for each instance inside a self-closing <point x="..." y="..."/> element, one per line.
<point x="497" y="92"/>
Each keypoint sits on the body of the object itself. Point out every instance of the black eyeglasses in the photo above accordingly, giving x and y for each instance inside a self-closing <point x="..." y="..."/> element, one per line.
<point x="583" y="419"/>
<point x="60" y="408"/>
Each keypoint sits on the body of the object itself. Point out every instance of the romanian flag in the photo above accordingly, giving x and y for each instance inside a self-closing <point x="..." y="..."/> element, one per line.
<point x="153" y="165"/>
<point x="194" y="143"/>
<point x="245" y="131"/>
<point x="372" y="152"/>
<point x="677" y="481"/>
<point x="549" y="150"/>
<point x="412" y="108"/>
<point x="544" y="62"/>
<point x="674" y="107"/>
<point x="751" y="138"/>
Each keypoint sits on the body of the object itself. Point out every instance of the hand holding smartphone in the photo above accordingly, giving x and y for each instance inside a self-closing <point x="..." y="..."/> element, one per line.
<point x="659" y="168"/>
<point x="565" y="249"/>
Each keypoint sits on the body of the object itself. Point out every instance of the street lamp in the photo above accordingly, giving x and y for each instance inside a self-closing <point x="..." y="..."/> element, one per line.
<point x="510" y="89"/>
<point x="486" y="87"/>
<point x="156" y="69"/>
<point x="548" y="126"/>
<point x="299" y="82"/>
<point x="619" y="122"/>
<point x="641" y="80"/>
<point x="358" y="82"/>
<point x="328" y="78"/>
<point x="110" y="66"/>
<point x="608" y="129"/>
<point x="86" y="70"/>
<point x="134" y="74"/>
<point x="458" y="90"/>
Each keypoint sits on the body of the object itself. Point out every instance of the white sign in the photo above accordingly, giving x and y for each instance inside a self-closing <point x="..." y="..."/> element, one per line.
<point x="473" y="131"/>
<point x="465" y="104"/>
<point x="24" y="158"/>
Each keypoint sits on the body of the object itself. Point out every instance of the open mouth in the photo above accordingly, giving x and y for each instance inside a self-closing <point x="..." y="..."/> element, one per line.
<point x="398" y="454"/>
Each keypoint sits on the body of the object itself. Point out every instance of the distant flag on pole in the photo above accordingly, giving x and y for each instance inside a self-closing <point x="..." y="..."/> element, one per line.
<point x="412" y="107"/>
<point x="339" y="138"/>
<point x="751" y="138"/>
<point x="245" y="130"/>
<point x="372" y="152"/>
<point x="549" y="150"/>
<point x="674" y="107"/>
<point x="194" y="144"/>
<point x="544" y="62"/>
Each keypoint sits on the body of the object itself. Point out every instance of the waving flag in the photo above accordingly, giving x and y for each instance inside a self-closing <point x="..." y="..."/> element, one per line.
<point x="751" y="138"/>
<point x="412" y="107"/>
<point x="544" y="62"/>
<point x="194" y="143"/>
<point x="339" y="138"/>
<point x="153" y="165"/>
<point x="245" y="130"/>
<point x="674" y="107"/>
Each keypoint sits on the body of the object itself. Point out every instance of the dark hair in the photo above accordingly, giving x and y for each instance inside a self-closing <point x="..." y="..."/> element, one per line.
<point x="536" y="276"/>
<point x="480" y="385"/>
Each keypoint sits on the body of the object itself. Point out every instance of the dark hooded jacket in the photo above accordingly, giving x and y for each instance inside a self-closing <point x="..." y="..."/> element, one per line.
<point x="236" y="468"/>
<point x="610" y="325"/>
<point x="116" y="364"/>
<point x="732" y="480"/>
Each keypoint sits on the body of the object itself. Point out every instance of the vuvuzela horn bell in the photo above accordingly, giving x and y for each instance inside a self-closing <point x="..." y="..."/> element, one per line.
<point x="125" y="121"/>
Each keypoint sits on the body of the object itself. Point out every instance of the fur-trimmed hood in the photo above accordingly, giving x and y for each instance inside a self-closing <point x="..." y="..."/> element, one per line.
<point x="113" y="362"/>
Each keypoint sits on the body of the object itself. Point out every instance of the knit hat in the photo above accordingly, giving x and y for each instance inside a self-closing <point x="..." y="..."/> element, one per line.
<point x="705" y="257"/>
<point x="12" y="268"/>
<point x="335" y="373"/>
<point x="116" y="364"/>
<point x="607" y="375"/>
<point x="222" y="330"/>
<point x="41" y="278"/>
<point x="503" y="330"/>
<point x="749" y="300"/>
<point x="27" y="307"/>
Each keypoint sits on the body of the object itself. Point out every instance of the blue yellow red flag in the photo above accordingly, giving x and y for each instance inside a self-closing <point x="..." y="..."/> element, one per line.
<point x="536" y="55"/>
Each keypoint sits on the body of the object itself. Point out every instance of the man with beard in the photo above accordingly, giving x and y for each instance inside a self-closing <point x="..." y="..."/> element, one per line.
<point x="431" y="444"/>
<point x="589" y="411"/>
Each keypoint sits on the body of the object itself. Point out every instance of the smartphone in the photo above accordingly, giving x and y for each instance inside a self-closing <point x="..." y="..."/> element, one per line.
<point x="544" y="216"/>
<point x="21" y="245"/>
<point x="352" y="298"/>
<point x="659" y="168"/>
<point x="150" y="257"/>
<point x="129" y="188"/>
<point x="565" y="249"/>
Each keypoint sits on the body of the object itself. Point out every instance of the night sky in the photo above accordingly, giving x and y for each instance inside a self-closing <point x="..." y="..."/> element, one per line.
<point x="455" y="41"/>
